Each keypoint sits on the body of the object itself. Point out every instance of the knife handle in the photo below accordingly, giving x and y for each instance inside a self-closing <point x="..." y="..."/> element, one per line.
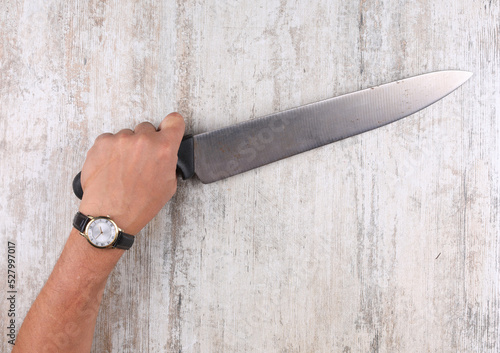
<point x="185" y="157"/>
<point x="185" y="164"/>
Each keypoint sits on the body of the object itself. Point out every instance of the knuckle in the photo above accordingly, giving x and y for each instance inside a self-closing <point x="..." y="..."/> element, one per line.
<point x="144" y="126"/>
<point x="103" y="138"/>
<point x="101" y="143"/>
<point x="123" y="137"/>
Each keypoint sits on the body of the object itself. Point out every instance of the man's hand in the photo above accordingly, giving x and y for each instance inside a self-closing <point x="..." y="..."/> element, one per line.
<point x="130" y="176"/>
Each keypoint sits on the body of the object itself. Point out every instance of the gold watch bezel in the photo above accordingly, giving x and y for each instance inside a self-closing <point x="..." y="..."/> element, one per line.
<point x="92" y="220"/>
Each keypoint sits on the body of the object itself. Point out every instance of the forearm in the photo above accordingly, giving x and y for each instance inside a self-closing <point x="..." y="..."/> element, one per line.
<point x="63" y="317"/>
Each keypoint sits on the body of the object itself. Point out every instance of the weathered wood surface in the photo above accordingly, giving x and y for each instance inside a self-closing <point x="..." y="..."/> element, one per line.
<point x="385" y="242"/>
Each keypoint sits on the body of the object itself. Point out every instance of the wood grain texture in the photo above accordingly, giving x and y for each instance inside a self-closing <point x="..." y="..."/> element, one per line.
<point x="384" y="242"/>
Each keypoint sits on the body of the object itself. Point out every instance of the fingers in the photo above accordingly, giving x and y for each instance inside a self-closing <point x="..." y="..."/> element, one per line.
<point x="172" y="127"/>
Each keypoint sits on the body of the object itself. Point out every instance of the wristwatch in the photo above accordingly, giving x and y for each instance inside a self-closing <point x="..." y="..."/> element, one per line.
<point x="102" y="232"/>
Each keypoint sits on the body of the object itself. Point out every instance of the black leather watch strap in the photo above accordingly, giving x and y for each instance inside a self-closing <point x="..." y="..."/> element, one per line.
<point x="80" y="221"/>
<point x="123" y="240"/>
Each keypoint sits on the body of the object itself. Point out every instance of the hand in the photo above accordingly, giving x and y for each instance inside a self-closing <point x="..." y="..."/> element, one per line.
<point x="131" y="175"/>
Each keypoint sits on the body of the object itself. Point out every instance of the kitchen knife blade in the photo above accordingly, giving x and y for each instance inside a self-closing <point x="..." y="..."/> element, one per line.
<point x="222" y="153"/>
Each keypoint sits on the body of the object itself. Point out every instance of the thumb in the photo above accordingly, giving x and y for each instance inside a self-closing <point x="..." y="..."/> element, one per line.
<point x="172" y="127"/>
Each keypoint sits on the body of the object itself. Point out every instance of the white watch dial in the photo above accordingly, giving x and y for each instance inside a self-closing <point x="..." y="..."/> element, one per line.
<point x="101" y="232"/>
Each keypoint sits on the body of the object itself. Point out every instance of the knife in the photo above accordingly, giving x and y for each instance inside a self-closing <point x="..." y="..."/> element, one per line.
<point x="222" y="153"/>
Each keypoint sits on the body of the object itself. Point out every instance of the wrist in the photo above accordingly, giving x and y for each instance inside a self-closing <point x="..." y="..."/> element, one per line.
<point x="123" y="220"/>
<point x="89" y="262"/>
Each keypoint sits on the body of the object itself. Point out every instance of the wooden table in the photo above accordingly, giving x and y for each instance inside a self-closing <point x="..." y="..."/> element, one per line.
<point x="384" y="242"/>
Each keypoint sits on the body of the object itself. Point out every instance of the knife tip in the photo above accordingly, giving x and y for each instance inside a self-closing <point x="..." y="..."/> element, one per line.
<point x="468" y="74"/>
<point x="459" y="77"/>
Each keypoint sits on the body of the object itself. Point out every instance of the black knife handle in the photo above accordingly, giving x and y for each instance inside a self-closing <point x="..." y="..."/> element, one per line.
<point x="185" y="157"/>
<point x="77" y="186"/>
<point x="185" y="164"/>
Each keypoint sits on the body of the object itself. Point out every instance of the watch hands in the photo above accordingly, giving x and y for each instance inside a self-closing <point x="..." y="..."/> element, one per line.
<point x="99" y="233"/>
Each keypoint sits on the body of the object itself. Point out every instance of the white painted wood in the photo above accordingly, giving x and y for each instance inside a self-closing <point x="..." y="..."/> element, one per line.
<point x="385" y="242"/>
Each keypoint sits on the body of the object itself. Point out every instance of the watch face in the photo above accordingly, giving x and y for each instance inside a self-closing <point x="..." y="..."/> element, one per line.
<point x="101" y="232"/>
